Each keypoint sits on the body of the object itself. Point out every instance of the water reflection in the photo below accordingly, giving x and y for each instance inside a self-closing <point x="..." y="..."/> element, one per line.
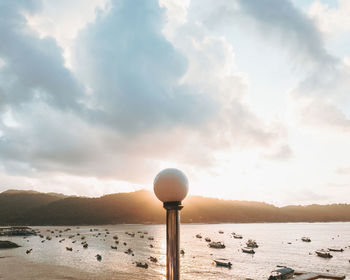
<point x="273" y="239"/>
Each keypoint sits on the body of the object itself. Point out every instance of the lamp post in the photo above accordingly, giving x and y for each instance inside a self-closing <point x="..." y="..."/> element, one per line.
<point x="171" y="187"/>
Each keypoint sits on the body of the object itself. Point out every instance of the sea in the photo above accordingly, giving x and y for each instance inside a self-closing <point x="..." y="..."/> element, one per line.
<point x="279" y="244"/>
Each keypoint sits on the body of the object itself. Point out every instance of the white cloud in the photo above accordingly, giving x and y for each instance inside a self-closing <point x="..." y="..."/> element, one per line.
<point x="331" y="20"/>
<point x="95" y="102"/>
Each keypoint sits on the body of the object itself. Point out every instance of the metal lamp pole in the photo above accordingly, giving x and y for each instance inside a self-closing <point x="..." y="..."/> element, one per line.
<point x="171" y="187"/>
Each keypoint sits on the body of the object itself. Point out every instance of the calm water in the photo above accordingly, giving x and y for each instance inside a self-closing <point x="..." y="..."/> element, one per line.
<point x="197" y="262"/>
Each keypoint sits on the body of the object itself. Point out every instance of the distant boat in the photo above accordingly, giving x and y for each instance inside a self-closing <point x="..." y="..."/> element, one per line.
<point x="252" y="243"/>
<point x="143" y="265"/>
<point x="216" y="245"/>
<point x="207" y="239"/>
<point x="221" y="232"/>
<point x="282" y="273"/>
<point x="237" y="236"/>
<point x="69" y="248"/>
<point x="99" y="257"/>
<point x="306" y="239"/>
<point x="114" y="247"/>
<point x="223" y="262"/>
<point x="248" y="250"/>
<point x="129" y="251"/>
<point x="323" y="254"/>
<point x="336" y="249"/>
<point x="198" y="235"/>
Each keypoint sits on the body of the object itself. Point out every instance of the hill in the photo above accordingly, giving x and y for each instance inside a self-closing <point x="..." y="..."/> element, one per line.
<point x="34" y="208"/>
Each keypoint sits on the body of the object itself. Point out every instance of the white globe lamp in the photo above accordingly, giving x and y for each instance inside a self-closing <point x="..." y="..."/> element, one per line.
<point x="171" y="185"/>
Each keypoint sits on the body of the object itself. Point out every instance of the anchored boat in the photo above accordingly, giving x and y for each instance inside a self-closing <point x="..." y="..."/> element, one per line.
<point x="248" y="250"/>
<point x="217" y="245"/>
<point x="306" y="239"/>
<point x="237" y="236"/>
<point x="252" y="244"/>
<point x="223" y="262"/>
<point x="323" y="254"/>
<point x="282" y="273"/>
<point x="336" y="249"/>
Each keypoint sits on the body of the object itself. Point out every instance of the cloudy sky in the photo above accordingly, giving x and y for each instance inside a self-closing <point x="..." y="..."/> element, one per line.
<point x="250" y="98"/>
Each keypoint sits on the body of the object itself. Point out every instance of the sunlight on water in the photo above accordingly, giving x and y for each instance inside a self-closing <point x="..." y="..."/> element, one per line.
<point x="197" y="263"/>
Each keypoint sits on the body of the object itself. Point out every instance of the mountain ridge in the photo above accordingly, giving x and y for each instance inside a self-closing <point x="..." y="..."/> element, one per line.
<point x="35" y="208"/>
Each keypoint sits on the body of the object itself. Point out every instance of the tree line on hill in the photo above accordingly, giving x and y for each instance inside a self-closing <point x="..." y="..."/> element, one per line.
<point x="34" y="208"/>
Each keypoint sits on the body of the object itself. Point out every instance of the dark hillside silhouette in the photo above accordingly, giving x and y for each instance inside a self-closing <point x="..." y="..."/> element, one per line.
<point x="34" y="208"/>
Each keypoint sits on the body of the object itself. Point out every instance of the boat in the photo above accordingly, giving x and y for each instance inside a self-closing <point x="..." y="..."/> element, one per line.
<point x="237" y="236"/>
<point x="223" y="262"/>
<point x="221" y="232"/>
<point x="150" y="238"/>
<point x="114" y="247"/>
<point x="323" y="254"/>
<point x="252" y="243"/>
<point x="69" y="248"/>
<point x="306" y="239"/>
<point x="198" y="236"/>
<point x="98" y="257"/>
<point x="153" y="259"/>
<point x="207" y="239"/>
<point x="143" y="265"/>
<point x="216" y="245"/>
<point x="282" y="273"/>
<point x="248" y="250"/>
<point x="336" y="249"/>
<point x="129" y="251"/>
<point x="85" y="245"/>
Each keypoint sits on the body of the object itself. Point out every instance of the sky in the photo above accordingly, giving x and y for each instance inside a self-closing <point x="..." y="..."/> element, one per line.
<point x="250" y="98"/>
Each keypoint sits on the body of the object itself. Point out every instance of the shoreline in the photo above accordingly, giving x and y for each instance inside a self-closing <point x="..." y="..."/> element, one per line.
<point x="160" y="224"/>
<point x="17" y="267"/>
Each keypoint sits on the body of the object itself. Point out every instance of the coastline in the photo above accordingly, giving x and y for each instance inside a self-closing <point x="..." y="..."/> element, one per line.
<point x="17" y="267"/>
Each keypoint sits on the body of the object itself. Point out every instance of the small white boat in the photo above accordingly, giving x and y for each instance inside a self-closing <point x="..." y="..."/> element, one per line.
<point x="282" y="273"/>
<point x="248" y="250"/>
<point x="323" y="254"/>
<point x="252" y="243"/>
<point x="306" y="239"/>
<point x="223" y="262"/>
<point x="216" y="245"/>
